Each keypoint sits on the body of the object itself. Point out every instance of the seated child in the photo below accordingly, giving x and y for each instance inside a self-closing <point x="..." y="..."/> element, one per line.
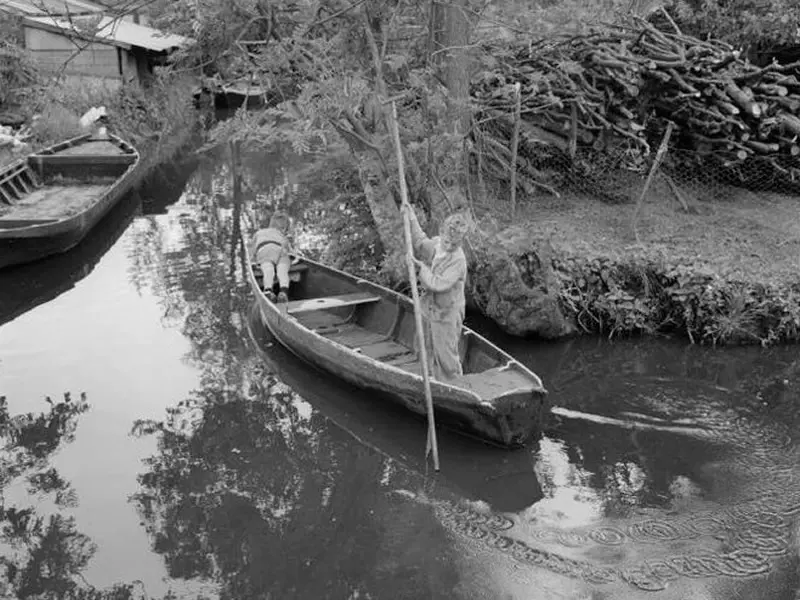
<point x="270" y="248"/>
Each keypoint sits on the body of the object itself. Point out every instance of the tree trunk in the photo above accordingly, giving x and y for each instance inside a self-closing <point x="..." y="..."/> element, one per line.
<point x="452" y="24"/>
<point x="384" y="212"/>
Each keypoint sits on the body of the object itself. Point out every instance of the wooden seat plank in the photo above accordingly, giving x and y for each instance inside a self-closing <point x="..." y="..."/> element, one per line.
<point x="6" y="195"/>
<point x="328" y="302"/>
<point x="32" y="178"/>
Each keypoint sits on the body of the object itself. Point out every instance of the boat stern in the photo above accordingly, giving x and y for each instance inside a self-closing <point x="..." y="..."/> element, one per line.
<point x="521" y="416"/>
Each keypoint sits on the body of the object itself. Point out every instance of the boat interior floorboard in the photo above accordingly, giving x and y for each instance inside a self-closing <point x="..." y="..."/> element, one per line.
<point x="54" y="201"/>
<point x="322" y="321"/>
<point x="353" y="336"/>
<point x="383" y="350"/>
<point x="102" y="147"/>
<point x="370" y="343"/>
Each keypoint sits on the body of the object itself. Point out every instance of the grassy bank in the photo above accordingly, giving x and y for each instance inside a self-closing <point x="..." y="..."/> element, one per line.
<point x="158" y="121"/>
<point x="729" y="274"/>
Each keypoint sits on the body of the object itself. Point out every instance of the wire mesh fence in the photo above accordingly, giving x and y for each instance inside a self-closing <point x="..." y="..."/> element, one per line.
<point x="618" y="174"/>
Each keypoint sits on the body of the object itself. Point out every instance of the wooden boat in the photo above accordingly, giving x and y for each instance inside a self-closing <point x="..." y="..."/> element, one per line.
<point x="232" y="95"/>
<point x="51" y="199"/>
<point x="504" y="479"/>
<point x="364" y="334"/>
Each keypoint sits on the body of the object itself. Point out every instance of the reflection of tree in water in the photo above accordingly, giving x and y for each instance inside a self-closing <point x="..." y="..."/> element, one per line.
<point x="254" y="490"/>
<point x="191" y="258"/>
<point x="43" y="556"/>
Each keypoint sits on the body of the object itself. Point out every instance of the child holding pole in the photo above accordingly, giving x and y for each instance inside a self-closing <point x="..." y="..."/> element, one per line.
<point x="442" y="274"/>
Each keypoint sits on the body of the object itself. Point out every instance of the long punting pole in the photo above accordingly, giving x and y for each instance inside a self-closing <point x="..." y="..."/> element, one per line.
<point x="412" y="275"/>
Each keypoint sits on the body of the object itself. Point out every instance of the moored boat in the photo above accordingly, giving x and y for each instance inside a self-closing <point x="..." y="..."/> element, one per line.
<point x="233" y="95"/>
<point x="364" y="334"/>
<point x="51" y="199"/>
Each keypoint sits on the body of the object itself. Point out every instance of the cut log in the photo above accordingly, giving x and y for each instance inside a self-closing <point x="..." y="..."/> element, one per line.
<point x="743" y="100"/>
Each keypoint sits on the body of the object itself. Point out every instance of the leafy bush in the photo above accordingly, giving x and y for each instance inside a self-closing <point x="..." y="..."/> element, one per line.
<point x="143" y="117"/>
<point x="747" y="24"/>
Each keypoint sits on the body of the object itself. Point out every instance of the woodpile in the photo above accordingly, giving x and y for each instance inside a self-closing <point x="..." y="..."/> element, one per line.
<point x="619" y="88"/>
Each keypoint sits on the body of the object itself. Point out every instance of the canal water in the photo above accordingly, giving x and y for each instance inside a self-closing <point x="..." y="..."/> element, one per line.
<point x="155" y="441"/>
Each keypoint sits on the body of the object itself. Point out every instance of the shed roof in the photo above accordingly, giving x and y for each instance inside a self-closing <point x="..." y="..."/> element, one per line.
<point x="113" y="31"/>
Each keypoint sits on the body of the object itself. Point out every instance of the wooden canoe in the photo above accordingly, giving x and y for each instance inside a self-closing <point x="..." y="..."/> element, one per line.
<point x="505" y="479"/>
<point x="364" y="333"/>
<point x="51" y="199"/>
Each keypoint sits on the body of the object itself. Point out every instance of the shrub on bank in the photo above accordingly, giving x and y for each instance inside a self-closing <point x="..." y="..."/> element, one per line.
<point x="155" y="119"/>
<point x="646" y="295"/>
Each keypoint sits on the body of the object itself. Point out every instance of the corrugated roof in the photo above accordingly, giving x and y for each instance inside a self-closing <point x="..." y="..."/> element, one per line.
<point x="51" y="7"/>
<point x="117" y="32"/>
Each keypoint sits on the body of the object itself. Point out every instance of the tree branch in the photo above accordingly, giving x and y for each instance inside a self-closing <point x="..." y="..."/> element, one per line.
<point x="333" y="16"/>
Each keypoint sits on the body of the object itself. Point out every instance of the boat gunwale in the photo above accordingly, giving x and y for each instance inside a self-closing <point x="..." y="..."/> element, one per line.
<point x="389" y="294"/>
<point x="59" y="225"/>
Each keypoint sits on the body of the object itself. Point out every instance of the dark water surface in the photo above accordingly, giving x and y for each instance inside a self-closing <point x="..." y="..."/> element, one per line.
<point x="194" y="456"/>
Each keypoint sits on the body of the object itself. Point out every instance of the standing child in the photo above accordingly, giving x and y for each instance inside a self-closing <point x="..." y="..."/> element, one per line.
<point x="270" y="248"/>
<point x="442" y="274"/>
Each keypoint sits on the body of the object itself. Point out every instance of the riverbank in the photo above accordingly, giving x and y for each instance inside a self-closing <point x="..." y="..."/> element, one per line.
<point x="159" y="121"/>
<point x="724" y="273"/>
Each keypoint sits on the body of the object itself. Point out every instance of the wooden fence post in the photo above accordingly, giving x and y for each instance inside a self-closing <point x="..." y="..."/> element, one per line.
<point x="515" y="147"/>
<point x="662" y="149"/>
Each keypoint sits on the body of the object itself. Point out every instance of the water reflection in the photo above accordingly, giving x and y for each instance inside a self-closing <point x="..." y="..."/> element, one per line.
<point x="50" y="549"/>
<point x="255" y="490"/>
<point x="42" y="554"/>
<point x="264" y="478"/>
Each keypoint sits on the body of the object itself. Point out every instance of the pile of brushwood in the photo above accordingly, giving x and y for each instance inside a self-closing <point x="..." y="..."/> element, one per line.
<point x="614" y="91"/>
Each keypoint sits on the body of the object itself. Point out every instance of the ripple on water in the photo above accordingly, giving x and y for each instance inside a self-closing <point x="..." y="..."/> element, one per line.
<point x="709" y="524"/>
<point x="643" y="577"/>
<point x="608" y="536"/>
<point x="655" y="530"/>
<point x="764" y="540"/>
<point x="756" y="534"/>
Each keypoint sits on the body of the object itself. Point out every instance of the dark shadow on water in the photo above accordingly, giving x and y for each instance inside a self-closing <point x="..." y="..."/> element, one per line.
<point x="27" y="286"/>
<point x="166" y="184"/>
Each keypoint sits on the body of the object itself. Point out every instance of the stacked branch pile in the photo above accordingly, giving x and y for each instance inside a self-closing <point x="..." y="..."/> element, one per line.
<point x="616" y="89"/>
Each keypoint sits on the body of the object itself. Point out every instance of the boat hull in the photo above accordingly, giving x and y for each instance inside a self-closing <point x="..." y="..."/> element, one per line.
<point x="19" y="245"/>
<point x="509" y="421"/>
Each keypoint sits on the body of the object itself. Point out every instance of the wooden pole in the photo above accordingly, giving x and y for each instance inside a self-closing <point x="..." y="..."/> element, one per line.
<point x="515" y="147"/>
<point x="412" y="275"/>
<point x="656" y="162"/>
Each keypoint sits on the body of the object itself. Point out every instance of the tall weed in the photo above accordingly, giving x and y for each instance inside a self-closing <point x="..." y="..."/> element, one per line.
<point x="144" y="117"/>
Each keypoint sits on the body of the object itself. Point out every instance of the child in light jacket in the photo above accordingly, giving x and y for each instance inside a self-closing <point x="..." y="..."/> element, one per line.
<point x="271" y="249"/>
